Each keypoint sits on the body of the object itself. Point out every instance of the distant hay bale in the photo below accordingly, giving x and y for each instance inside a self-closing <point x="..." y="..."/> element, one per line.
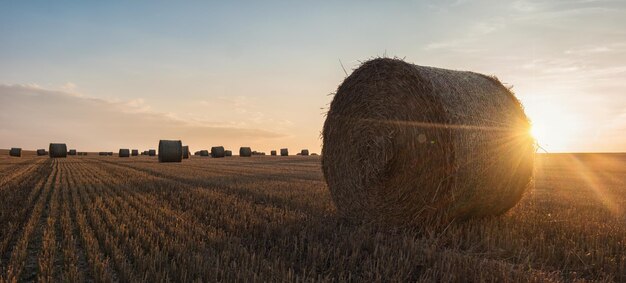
<point x="314" y="154"/>
<point x="196" y="153"/>
<point x="204" y="152"/>
<point x="170" y="151"/>
<point x="245" y="152"/>
<point x="71" y="152"/>
<point x="134" y="152"/>
<point x="217" y="152"/>
<point x="228" y="153"/>
<point x="284" y="152"/>
<point x="124" y="152"/>
<point x="151" y="152"/>
<point x="413" y="145"/>
<point x="102" y="153"/>
<point x="273" y="153"/>
<point x="57" y="150"/>
<point x="110" y="153"/>
<point x="304" y="152"/>
<point x="186" y="152"/>
<point x="15" y="152"/>
<point x="41" y="152"/>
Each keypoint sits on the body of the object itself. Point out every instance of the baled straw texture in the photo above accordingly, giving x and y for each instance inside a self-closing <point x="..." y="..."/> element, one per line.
<point x="186" y="152"/>
<point x="245" y="152"/>
<point x="412" y="145"/>
<point x="204" y="152"/>
<point x="228" y="153"/>
<point x="134" y="152"/>
<point x="41" y="152"/>
<point x="217" y="151"/>
<point x="57" y="150"/>
<point x="304" y="152"/>
<point x="124" y="152"/>
<point x="152" y="152"/>
<point x="273" y="153"/>
<point x="15" y="152"/>
<point x="170" y="151"/>
<point x="284" y="152"/>
<point x="72" y="152"/>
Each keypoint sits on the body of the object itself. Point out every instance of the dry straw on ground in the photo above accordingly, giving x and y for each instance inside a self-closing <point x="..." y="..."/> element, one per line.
<point x="245" y="152"/>
<point x="57" y="150"/>
<point x="217" y="151"/>
<point x="124" y="152"/>
<point x="413" y="145"/>
<point x="170" y="151"/>
<point x="15" y="152"/>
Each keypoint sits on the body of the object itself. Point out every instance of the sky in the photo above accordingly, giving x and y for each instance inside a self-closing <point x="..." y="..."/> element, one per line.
<point x="104" y="75"/>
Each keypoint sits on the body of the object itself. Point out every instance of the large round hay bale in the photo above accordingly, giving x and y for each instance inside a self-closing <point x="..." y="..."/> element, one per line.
<point x="56" y="150"/>
<point x="217" y="151"/>
<point x="170" y="151"/>
<point x="41" y="152"/>
<point x="304" y="152"/>
<point x="406" y="144"/>
<point x="228" y="153"/>
<point x="273" y="153"/>
<point x="245" y="152"/>
<point x="134" y="152"/>
<point x="15" y="152"/>
<point x="152" y="152"/>
<point x="124" y="152"/>
<point x="71" y="152"/>
<point x="284" y="152"/>
<point x="186" y="152"/>
<point x="204" y="152"/>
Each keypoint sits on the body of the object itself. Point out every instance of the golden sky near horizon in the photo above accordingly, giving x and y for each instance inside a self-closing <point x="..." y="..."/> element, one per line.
<point x="103" y="76"/>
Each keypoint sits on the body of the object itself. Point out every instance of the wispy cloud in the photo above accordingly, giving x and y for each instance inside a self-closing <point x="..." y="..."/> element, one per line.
<point x="32" y="117"/>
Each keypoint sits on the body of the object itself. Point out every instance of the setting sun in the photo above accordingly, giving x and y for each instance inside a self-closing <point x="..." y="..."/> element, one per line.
<point x="553" y="127"/>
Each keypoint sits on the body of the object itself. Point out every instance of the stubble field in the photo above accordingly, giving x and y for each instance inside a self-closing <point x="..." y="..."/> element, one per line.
<point x="92" y="218"/>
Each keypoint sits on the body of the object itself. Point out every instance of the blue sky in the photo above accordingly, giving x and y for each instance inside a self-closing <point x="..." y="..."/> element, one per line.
<point x="260" y="73"/>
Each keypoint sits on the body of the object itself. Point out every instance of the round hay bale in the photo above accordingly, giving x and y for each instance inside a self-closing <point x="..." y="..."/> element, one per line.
<point x="273" y="153"/>
<point x="228" y="153"/>
<point x="72" y="152"/>
<point x="304" y="152"/>
<point x="41" y="152"/>
<point x="15" y="152"/>
<point x="134" y="152"/>
<point x="204" y="152"/>
<point x="186" y="152"/>
<point x="110" y="153"/>
<point x="124" y="152"/>
<point x="284" y="152"/>
<point x="56" y="150"/>
<point x="217" y="151"/>
<point x="245" y="152"/>
<point x="412" y="145"/>
<point x="151" y="152"/>
<point x="170" y="151"/>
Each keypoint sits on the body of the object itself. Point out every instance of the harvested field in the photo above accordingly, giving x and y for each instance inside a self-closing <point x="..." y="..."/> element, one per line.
<point x="266" y="218"/>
